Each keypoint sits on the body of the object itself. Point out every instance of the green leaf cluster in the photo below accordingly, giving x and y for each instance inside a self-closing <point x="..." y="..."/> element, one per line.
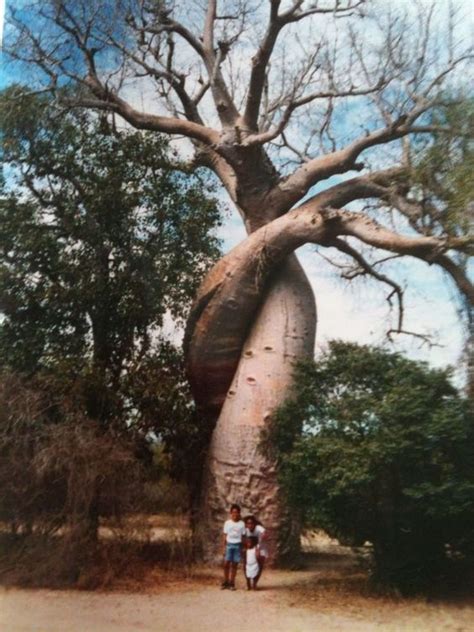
<point x="100" y="237"/>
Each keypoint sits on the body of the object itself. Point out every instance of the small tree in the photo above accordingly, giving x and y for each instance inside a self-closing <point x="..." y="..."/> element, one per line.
<point x="101" y="237"/>
<point x="375" y="447"/>
<point x="59" y="472"/>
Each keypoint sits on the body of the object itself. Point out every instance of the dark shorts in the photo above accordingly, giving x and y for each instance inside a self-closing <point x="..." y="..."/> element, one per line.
<point x="232" y="553"/>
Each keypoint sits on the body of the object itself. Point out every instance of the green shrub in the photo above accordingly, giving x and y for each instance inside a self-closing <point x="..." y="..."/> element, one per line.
<point x="375" y="447"/>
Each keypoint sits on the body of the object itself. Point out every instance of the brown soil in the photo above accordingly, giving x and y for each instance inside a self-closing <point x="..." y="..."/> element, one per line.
<point x="332" y="593"/>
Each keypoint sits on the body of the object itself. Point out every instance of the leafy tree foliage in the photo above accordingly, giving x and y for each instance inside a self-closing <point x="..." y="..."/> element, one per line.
<point x="375" y="447"/>
<point x="442" y="180"/>
<point x="101" y="238"/>
<point x="442" y="169"/>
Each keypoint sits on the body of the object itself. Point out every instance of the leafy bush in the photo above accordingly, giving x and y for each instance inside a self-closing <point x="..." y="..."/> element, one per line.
<point x="375" y="447"/>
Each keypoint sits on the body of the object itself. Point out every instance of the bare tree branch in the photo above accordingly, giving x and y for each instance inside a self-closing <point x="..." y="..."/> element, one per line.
<point x="259" y="66"/>
<point x="110" y="100"/>
<point x="265" y="137"/>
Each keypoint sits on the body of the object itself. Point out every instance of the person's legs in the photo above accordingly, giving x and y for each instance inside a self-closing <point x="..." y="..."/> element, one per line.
<point x="225" y="583"/>
<point x="233" y="572"/>
<point x="231" y="561"/>
<point x="261" y="564"/>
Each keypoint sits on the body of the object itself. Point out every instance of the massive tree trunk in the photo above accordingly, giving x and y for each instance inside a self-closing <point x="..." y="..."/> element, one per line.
<point x="236" y="469"/>
<point x="254" y="316"/>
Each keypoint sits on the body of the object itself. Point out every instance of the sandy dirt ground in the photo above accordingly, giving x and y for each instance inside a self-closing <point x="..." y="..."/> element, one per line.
<point x="287" y="602"/>
<point x="331" y="594"/>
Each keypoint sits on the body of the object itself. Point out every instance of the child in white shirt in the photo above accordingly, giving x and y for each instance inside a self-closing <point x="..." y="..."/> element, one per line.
<point x="234" y="529"/>
<point x="251" y="562"/>
<point x="253" y="529"/>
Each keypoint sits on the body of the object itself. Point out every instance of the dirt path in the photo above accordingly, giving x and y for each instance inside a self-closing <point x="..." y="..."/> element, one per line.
<point x="283" y="605"/>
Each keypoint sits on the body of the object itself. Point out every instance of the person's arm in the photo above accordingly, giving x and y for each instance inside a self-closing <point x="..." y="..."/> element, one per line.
<point x="224" y="537"/>
<point x="242" y="540"/>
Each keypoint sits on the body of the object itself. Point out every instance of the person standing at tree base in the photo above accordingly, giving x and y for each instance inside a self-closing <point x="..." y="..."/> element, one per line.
<point x="254" y="529"/>
<point x="234" y="529"/>
<point x="251" y="562"/>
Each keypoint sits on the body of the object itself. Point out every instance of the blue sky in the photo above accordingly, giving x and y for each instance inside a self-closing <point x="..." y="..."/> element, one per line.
<point x="2" y="14"/>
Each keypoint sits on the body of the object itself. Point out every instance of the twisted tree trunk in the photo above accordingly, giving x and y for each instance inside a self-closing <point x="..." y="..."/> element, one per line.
<point x="236" y="470"/>
<point x="254" y="316"/>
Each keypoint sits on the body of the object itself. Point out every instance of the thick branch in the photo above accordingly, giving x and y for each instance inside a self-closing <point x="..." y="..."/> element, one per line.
<point x="230" y="295"/>
<point x="208" y="34"/>
<point x="371" y="232"/>
<point x="225" y="106"/>
<point x="375" y="185"/>
<point x="338" y="162"/>
<point x="111" y="101"/>
<point x="459" y="277"/>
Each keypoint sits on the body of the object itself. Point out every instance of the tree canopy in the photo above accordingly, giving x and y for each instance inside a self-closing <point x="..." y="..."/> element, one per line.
<point x="101" y="238"/>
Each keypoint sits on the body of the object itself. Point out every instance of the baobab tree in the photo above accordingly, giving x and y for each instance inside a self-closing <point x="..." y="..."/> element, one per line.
<point x="300" y="108"/>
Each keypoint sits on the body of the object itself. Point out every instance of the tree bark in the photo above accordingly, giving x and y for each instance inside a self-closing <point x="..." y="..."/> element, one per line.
<point x="236" y="470"/>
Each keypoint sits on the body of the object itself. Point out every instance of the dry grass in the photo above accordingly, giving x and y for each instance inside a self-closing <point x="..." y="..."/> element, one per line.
<point x="136" y="552"/>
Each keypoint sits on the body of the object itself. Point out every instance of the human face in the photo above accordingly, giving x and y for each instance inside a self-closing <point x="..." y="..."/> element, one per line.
<point x="235" y="515"/>
<point x="250" y="524"/>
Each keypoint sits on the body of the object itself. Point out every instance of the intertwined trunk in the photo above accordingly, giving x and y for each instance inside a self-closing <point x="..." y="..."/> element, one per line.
<point x="254" y="316"/>
<point x="236" y="469"/>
